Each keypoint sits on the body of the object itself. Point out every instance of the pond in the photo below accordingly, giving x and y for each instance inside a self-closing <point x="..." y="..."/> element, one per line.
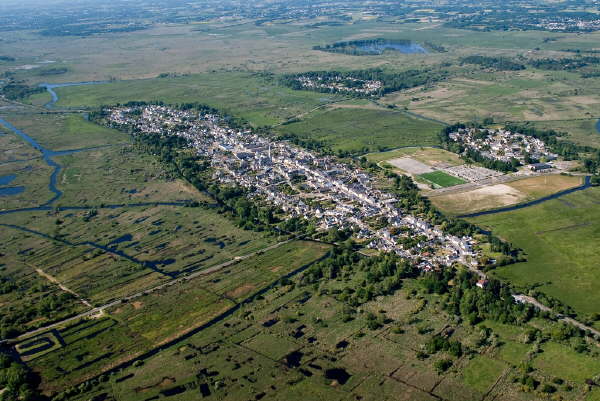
<point x="598" y="126"/>
<point x="7" y="179"/>
<point x="381" y="47"/>
<point x="9" y="191"/>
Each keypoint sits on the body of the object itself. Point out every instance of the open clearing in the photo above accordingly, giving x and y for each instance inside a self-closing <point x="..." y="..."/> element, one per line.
<point x="364" y="130"/>
<point x="499" y="195"/>
<point x="411" y="166"/>
<point x="562" y="248"/>
<point x="488" y="197"/>
<point x="434" y="157"/>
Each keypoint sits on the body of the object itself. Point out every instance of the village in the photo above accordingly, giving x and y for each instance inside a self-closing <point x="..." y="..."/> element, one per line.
<point x="340" y="84"/>
<point x="505" y="146"/>
<point x="303" y="184"/>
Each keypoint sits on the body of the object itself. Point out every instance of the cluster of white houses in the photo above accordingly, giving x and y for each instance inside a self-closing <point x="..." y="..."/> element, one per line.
<point x="303" y="184"/>
<point x="340" y="84"/>
<point x="502" y="145"/>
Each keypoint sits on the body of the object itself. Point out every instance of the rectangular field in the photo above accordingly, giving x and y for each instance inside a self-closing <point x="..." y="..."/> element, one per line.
<point x="364" y="129"/>
<point x="442" y="179"/>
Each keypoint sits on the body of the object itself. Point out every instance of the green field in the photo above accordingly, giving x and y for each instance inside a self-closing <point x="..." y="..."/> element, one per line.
<point x="90" y="346"/>
<point x="560" y="240"/>
<point x="364" y="129"/>
<point x="259" y="100"/>
<point x="442" y="179"/>
<point x="250" y="354"/>
<point x="64" y="131"/>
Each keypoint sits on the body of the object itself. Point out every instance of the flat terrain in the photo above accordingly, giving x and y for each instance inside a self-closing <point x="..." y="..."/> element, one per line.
<point x="498" y="195"/>
<point x="122" y="223"/>
<point x="442" y="179"/>
<point x="285" y="346"/>
<point x="365" y="129"/>
<point x="90" y="346"/>
<point x="432" y="156"/>
<point x="257" y="99"/>
<point x="560" y="239"/>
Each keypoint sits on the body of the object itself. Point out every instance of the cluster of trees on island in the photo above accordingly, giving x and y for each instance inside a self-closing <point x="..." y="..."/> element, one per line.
<point x="391" y="81"/>
<point x="497" y="63"/>
<point x="18" y="90"/>
<point x="365" y="47"/>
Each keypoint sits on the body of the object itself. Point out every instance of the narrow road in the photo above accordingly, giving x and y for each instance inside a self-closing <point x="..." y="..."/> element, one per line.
<point x="532" y="301"/>
<point x="526" y="299"/>
<point x="63" y="287"/>
<point x="99" y="309"/>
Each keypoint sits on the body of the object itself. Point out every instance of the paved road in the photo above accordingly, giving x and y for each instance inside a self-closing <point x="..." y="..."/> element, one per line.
<point x="100" y="309"/>
<point x="532" y="301"/>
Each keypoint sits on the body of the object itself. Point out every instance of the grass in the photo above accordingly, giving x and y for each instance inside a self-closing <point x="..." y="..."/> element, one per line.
<point x="364" y="129"/>
<point x="442" y="179"/>
<point x="562" y="361"/>
<point x="482" y="372"/>
<point x="560" y="240"/>
<point x="259" y="100"/>
<point x="178" y="239"/>
<point x="430" y="156"/>
<point x="65" y="131"/>
<point x="246" y="357"/>
<point x="499" y="195"/>
<point x="538" y="187"/>
<point x="161" y="316"/>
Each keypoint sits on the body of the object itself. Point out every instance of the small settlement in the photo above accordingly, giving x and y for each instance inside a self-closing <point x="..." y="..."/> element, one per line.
<point x="302" y="184"/>
<point x="340" y="84"/>
<point x="503" y="145"/>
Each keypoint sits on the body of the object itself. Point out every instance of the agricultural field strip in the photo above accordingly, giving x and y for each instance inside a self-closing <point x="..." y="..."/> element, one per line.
<point x="98" y="310"/>
<point x="64" y="288"/>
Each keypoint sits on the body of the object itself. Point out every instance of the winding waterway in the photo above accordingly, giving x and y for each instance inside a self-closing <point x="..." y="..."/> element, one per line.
<point x="50" y="88"/>
<point x="48" y="155"/>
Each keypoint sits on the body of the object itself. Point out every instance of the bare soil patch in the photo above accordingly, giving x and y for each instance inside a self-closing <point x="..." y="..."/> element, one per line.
<point x="489" y="197"/>
<point x="411" y="166"/>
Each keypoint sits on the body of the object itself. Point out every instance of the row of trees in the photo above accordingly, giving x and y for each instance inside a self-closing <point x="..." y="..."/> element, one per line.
<point x="497" y="63"/>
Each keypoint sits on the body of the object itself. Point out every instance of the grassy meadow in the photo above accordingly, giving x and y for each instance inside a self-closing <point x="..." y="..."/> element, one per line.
<point x="93" y="345"/>
<point x="289" y="341"/>
<point x="560" y="240"/>
<point x="364" y="129"/>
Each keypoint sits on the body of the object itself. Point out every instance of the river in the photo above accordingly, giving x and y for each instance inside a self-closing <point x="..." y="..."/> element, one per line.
<point x="50" y="88"/>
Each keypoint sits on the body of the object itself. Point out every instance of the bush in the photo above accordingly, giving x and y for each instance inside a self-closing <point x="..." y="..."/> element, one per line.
<point x="442" y="365"/>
